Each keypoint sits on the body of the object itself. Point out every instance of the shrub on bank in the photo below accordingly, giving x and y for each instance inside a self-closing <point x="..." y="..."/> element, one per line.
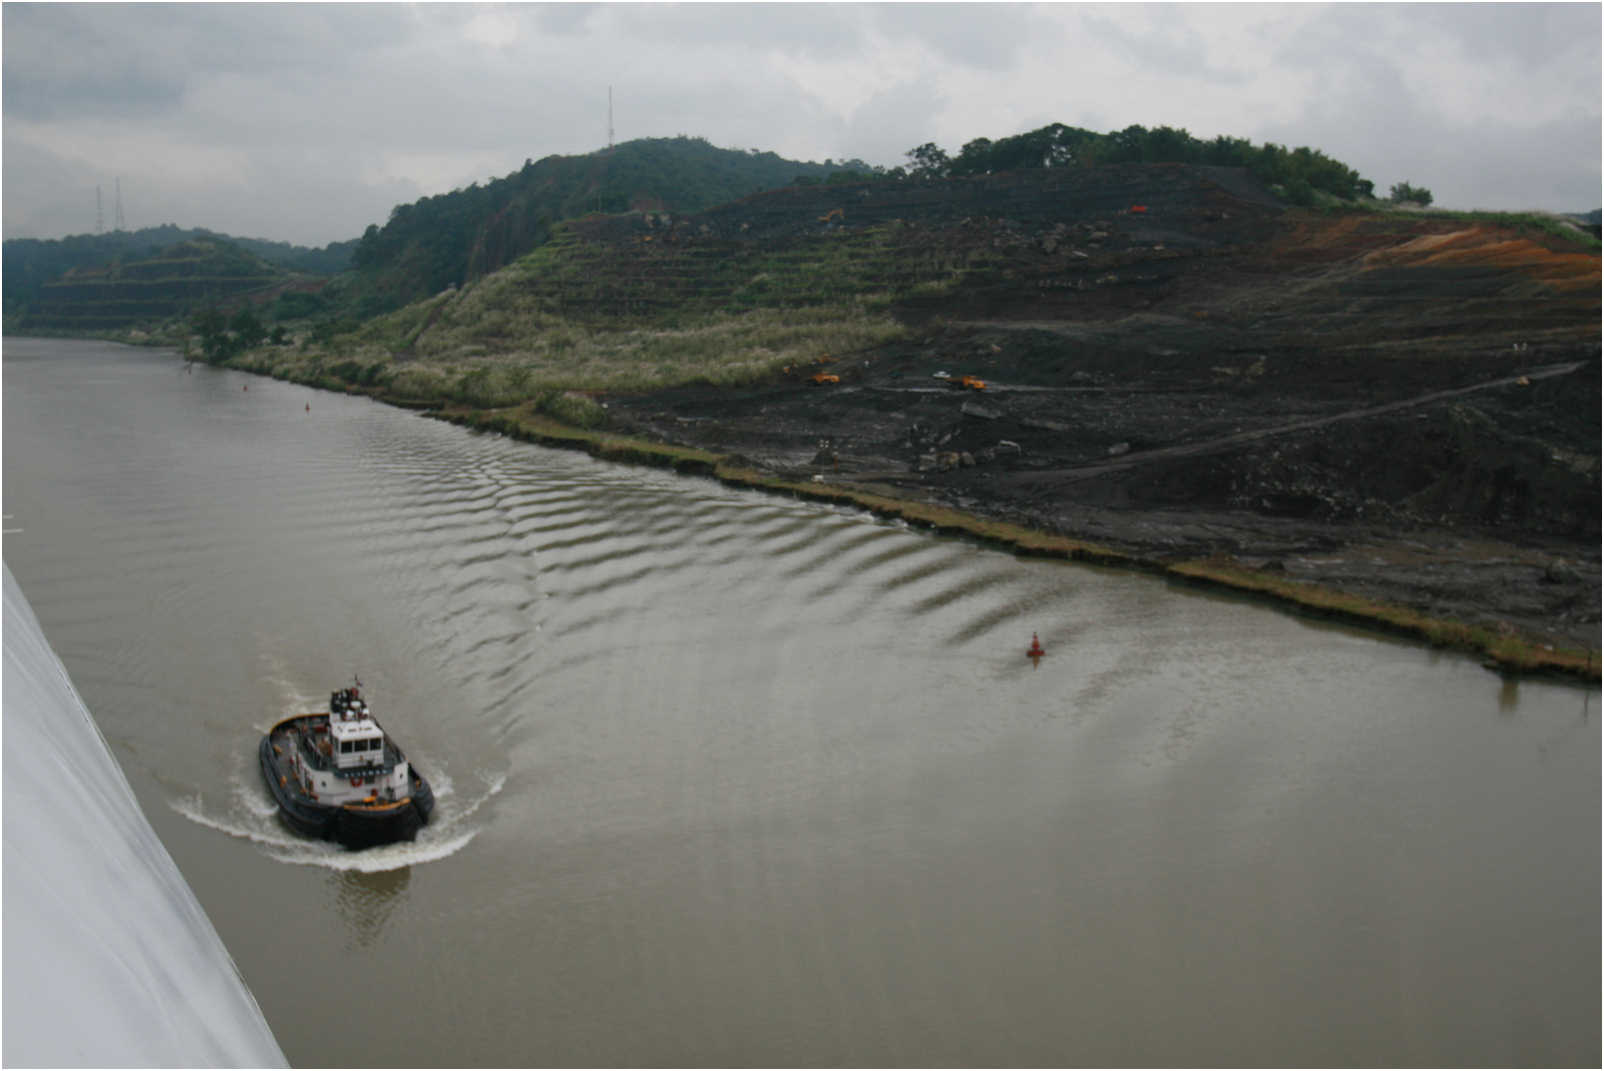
<point x="418" y="383"/>
<point x="572" y="408"/>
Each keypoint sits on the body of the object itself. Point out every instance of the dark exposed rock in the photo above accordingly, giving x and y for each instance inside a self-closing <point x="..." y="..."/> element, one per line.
<point x="1403" y="408"/>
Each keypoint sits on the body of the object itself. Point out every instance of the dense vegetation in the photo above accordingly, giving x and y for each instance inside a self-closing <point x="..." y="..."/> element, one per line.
<point x="451" y="238"/>
<point x="330" y="260"/>
<point x="1297" y="172"/>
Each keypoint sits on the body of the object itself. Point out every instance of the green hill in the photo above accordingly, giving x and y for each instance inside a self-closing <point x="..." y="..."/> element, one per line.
<point x="454" y="237"/>
<point x="669" y="260"/>
<point x="451" y="239"/>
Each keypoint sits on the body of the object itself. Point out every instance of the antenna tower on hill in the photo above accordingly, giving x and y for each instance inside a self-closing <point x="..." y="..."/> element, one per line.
<point x="119" y="211"/>
<point x="601" y="165"/>
<point x="100" y="217"/>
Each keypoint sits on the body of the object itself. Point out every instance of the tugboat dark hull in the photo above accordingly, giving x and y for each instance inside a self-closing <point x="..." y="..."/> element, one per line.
<point x="352" y="825"/>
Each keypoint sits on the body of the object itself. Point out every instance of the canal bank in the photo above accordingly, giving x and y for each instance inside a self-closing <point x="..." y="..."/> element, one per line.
<point x="1468" y="592"/>
<point x="1501" y="649"/>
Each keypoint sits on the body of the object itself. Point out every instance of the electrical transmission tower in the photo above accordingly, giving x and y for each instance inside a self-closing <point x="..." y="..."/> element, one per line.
<point x="119" y="212"/>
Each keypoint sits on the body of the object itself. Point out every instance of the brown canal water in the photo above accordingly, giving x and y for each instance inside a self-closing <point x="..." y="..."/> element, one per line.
<point x="728" y="779"/>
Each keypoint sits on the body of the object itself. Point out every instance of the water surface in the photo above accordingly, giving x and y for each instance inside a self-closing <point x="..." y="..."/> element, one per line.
<point x="735" y="779"/>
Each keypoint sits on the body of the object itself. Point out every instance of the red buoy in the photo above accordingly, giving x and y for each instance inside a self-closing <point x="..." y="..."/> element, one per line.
<point x="1035" y="647"/>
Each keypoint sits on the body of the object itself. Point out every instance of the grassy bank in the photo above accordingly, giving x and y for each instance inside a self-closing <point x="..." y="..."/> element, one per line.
<point x="1504" y="651"/>
<point x="585" y="317"/>
<point x="544" y="356"/>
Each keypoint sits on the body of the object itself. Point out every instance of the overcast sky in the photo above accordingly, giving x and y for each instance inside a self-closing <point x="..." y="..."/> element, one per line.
<point x="307" y="122"/>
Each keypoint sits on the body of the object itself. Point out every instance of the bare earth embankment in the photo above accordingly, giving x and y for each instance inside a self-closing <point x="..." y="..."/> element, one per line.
<point x="1401" y="409"/>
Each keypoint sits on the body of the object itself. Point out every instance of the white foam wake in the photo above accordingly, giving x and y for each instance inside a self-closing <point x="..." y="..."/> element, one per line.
<point x="253" y="816"/>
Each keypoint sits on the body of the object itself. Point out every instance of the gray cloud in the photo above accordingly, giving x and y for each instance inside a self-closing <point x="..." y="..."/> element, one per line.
<point x="561" y="19"/>
<point x="987" y="37"/>
<point x="900" y="114"/>
<point x="1528" y="35"/>
<point x="73" y="66"/>
<point x="309" y="121"/>
<point x="1534" y="56"/>
<point x="1395" y="116"/>
<point x="1167" y="44"/>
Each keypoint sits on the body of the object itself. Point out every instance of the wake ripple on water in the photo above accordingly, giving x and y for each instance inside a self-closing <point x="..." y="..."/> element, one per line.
<point x="254" y="817"/>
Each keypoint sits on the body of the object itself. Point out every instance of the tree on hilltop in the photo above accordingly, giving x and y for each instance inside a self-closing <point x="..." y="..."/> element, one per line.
<point x="1298" y="172"/>
<point x="928" y="161"/>
<point x="1403" y="193"/>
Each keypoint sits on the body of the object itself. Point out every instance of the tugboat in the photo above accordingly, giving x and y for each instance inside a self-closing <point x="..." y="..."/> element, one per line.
<point x="338" y="776"/>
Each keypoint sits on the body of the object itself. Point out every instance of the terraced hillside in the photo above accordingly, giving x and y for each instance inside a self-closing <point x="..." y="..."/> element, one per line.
<point x="162" y="286"/>
<point x="455" y="238"/>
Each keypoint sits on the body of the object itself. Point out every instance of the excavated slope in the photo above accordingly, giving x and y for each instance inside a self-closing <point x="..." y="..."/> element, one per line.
<point x="1404" y="405"/>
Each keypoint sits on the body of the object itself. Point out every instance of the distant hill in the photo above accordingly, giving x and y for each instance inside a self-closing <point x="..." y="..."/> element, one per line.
<point x="424" y="247"/>
<point x="448" y="239"/>
<point x="332" y="259"/>
<point x="31" y="264"/>
<point x="167" y="283"/>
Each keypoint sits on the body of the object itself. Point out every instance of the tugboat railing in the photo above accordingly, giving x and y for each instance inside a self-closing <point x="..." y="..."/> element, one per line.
<point x="312" y="755"/>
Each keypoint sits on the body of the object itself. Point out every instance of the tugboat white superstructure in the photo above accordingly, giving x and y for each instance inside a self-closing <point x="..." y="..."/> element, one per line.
<point x="340" y="777"/>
